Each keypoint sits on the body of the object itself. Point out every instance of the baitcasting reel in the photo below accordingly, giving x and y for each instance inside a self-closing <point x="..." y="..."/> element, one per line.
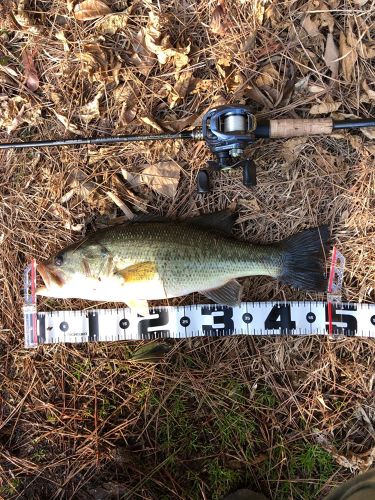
<point x="228" y="131"/>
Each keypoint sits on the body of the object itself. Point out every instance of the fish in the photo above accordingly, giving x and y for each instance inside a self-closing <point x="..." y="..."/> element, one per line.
<point x="154" y="259"/>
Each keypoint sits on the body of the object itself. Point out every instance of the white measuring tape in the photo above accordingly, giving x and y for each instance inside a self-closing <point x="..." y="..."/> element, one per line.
<point x="250" y="318"/>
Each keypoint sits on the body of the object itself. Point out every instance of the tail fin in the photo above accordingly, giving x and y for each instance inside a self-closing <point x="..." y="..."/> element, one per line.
<point x="303" y="259"/>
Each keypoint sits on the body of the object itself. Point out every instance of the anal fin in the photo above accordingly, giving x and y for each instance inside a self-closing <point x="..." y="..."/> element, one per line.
<point x="228" y="294"/>
<point x="139" y="305"/>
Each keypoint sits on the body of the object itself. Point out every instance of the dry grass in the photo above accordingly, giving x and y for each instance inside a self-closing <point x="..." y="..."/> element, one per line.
<point x="291" y="417"/>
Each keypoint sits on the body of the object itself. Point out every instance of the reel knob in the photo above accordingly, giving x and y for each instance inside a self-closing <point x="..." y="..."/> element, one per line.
<point x="203" y="182"/>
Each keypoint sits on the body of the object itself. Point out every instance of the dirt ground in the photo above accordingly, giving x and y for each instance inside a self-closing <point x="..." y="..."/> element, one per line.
<point x="290" y="417"/>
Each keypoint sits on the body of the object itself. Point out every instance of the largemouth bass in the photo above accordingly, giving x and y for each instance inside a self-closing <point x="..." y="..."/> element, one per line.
<point x="158" y="259"/>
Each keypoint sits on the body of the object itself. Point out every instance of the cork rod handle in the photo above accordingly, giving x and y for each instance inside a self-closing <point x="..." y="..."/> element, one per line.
<point x="300" y="127"/>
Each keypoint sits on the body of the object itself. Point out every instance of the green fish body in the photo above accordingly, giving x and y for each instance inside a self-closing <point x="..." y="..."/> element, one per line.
<point x="151" y="260"/>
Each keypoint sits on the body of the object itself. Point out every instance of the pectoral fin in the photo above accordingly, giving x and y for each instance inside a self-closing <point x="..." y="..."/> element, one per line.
<point x="139" y="305"/>
<point x="143" y="271"/>
<point x="228" y="294"/>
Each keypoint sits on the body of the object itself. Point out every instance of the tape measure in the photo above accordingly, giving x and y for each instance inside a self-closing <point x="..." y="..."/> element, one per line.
<point x="250" y="318"/>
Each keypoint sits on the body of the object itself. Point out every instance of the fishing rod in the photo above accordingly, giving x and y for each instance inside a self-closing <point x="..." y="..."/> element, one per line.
<point x="227" y="131"/>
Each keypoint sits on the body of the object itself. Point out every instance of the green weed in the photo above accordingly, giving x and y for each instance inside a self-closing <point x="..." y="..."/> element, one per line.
<point x="221" y="479"/>
<point x="80" y="369"/>
<point x="265" y="397"/>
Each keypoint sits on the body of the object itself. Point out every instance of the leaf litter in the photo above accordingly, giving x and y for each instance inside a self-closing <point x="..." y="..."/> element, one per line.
<point x="159" y="67"/>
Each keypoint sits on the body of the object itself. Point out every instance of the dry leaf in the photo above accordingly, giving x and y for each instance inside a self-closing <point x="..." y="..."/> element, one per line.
<point x="90" y="9"/>
<point x="348" y="58"/>
<point x="331" y="56"/>
<point x="141" y="57"/>
<point x="316" y="89"/>
<point x="152" y="123"/>
<point x="149" y="41"/>
<point x="132" y="179"/>
<point x="219" y="24"/>
<point x="115" y="198"/>
<point x="311" y="27"/>
<point x="326" y="19"/>
<point x="90" y="111"/>
<point x="292" y="148"/>
<point x="113" y="23"/>
<point x="15" y="111"/>
<point x="258" y="96"/>
<point x="128" y="113"/>
<point x="370" y="93"/>
<point x="180" y="89"/>
<point x="67" y="124"/>
<point x="224" y="66"/>
<point x="60" y="35"/>
<point x="30" y="72"/>
<point x="268" y="75"/>
<point x="370" y="148"/>
<point x="99" y="63"/>
<point x="325" y="107"/>
<point x="162" y="177"/>
<point x="369" y="132"/>
<point x="24" y="20"/>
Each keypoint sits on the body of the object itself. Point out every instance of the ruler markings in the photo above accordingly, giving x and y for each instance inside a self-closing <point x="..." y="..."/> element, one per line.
<point x="259" y="318"/>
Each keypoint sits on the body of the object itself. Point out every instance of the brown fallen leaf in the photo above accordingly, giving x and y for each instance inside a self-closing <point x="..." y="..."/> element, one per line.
<point x="22" y="17"/>
<point x="90" y="111"/>
<point x="324" y="107"/>
<point x="60" y="35"/>
<point x="117" y="200"/>
<point x="348" y="58"/>
<point x="30" y="72"/>
<point x="255" y="94"/>
<point x="141" y="57"/>
<point x="152" y="123"/>
<point x="369" y="132"/>
<point x="331" y="56"/>
<point x="180" y="89"/>
<point x="132" y="179"/>
<point x="224" y="66"/>
<point x="15" y="111"/>
<point x="91" y="9"/>
<point x="162" y="177"/>
<point x="292" y="148"/>
<point x="219" y="24"/>
<point x="128" y="113"/>
<point x="370" y="93"/>
<point x="81" y="184"/>
<point x="99" y="63"/>
<point x="112" y="23"/>
<point x="268" y="75"/>
<point x="67" y="124"/>
<point x="311" y="27"/>
<point x="161" y="45"/>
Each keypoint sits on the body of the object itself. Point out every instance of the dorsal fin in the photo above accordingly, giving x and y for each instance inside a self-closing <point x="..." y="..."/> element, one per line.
<point x="222" y="221"/>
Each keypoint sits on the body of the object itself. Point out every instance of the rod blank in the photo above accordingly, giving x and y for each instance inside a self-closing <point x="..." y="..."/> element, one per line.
<point x="96" y="140"/>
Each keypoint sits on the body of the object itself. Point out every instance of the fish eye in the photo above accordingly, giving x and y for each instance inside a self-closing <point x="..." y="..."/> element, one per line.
<point x="59" y="260"/>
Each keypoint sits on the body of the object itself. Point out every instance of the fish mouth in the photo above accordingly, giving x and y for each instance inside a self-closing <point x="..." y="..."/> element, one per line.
<point x="50" y="276"/>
